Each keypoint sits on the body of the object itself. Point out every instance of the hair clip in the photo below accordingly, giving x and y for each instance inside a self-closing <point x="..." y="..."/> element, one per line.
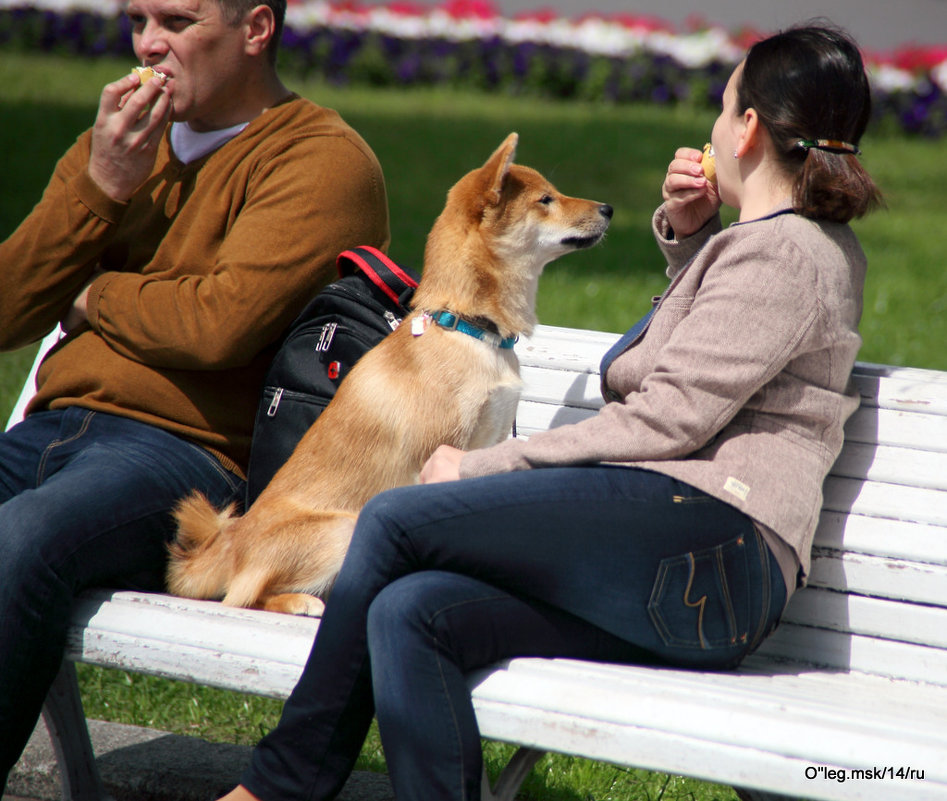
<point x="829" y="145"/>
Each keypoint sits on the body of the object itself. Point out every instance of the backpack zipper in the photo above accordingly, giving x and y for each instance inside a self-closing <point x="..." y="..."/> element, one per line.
<point x="392" y="320"/>
<point x="328" y="332"/>
<point x="274" y="404"/>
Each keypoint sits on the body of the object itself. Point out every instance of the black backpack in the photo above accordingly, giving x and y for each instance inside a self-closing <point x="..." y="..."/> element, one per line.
<point x="338" y="326"/>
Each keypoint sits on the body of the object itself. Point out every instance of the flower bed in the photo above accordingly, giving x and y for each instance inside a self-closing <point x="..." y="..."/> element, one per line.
<point x="617" y="58"/>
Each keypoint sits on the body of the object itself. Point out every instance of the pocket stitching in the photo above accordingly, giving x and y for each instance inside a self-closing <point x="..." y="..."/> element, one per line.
<point x="659" y="597"/>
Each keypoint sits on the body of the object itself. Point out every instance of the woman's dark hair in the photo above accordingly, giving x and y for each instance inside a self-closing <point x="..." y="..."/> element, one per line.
<point x="809" y="83"/>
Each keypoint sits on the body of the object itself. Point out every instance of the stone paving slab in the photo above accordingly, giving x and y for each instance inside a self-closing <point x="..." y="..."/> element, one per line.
<point x="140" y="764"/>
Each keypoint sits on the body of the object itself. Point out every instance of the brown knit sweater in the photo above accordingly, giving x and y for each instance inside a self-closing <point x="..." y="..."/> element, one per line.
<point x="201" y="271"/>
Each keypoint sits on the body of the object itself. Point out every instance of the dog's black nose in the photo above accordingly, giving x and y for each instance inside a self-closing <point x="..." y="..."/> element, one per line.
<point x="606" y="211"/>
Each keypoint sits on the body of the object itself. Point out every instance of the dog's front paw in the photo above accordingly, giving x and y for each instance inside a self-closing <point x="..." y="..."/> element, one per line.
<point x="295" y="603"/>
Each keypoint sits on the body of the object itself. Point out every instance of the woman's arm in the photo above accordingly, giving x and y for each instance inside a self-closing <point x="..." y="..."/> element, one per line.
<point x="716" y="349"/>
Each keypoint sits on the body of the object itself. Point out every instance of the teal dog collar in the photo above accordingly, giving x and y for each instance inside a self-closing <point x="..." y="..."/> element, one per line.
<point x="447" y="319"/>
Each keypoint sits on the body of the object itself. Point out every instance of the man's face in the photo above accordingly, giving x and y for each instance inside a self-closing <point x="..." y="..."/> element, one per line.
<point x="203" y="56"/>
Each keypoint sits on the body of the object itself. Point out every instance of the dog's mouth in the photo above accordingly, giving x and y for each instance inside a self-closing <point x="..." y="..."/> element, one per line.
<point x="580" y="242"/>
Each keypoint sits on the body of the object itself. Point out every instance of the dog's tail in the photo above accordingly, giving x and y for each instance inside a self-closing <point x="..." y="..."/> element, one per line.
<point x="199" y="566"/>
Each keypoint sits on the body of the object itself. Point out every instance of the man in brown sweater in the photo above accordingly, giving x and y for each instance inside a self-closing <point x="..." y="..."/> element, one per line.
<point x="175" y="242"/>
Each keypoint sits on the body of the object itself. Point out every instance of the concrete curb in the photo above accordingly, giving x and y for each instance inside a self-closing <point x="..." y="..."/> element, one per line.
<point x="139" y="764"/>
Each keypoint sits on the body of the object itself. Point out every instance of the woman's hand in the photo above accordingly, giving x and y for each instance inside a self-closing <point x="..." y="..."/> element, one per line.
<point x="690" y="199"/>
<point x="443" y="465"/>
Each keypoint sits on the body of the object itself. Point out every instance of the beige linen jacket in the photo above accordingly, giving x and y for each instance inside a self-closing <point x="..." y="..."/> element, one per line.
<point x="740" y="385"/>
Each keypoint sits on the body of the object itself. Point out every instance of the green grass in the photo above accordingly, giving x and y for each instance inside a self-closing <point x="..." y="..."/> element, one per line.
<point x="425" y="140"/>
<point x="221" y="716"/>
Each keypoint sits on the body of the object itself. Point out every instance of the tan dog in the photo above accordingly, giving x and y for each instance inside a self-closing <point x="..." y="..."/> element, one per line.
<point x="423" y="385"/>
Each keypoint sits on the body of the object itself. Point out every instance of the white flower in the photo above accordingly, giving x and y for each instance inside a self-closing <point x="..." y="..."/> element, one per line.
<point x="939" y="75"/>
<point x="889" y="78"/>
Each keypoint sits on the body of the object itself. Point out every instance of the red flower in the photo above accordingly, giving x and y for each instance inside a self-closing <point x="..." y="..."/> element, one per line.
<point x="466" y="9"/>
<point x="406" y="8"/>
<point x="917" y="58"/>
<point x="639" y="22"/>
<point x="542" y="15"/>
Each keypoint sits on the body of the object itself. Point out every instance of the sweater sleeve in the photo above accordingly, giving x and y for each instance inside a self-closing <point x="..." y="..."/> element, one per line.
<point x="300" y="207"/>
<point x="53" y="253"/>
<point x="732" y="337"/>
<point x="679" y="252"/>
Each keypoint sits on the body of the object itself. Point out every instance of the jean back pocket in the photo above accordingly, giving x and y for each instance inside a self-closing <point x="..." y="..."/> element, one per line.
<point x="692" y="603"/>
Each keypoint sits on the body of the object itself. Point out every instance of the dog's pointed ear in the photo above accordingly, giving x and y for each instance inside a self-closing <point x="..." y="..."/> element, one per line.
<point x="498" y="166"/>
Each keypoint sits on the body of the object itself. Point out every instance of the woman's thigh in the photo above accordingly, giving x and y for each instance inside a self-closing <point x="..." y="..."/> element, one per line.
<point x="637" y="554"/>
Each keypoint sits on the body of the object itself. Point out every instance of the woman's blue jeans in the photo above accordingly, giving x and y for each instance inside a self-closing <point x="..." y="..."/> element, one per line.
<point x="601" y="563"/>
<point x="85" y="500"/>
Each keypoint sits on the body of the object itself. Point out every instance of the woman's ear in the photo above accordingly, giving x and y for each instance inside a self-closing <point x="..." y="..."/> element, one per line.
<point x="749" y="137"/>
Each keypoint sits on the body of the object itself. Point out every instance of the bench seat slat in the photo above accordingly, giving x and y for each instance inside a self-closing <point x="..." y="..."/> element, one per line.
<point x="679" y="755"/>
<point x="203" y="624"/>
<point x="104" y="638"/>
<point x="213" y="668"/>
<point x="813" y="724"/>
<point x="766" y="690"/>
<point x="198" y="641"/>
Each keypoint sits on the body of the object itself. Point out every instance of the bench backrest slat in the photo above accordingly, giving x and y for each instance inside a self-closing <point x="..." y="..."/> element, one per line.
<point x="896" y="539"/>
<point x="907" y="389"/>
<point x="892" y="465"/>
<point x="845" y="651"/>
<point x="918" y="430"/>
<point x="872" y="617"/>
<point x="894" y="501"/>
<point x="879" y="577"/>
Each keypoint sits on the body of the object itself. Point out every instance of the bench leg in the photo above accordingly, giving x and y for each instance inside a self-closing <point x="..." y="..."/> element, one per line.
<point x="66" y="723"/>
<point x="511" y="777"/>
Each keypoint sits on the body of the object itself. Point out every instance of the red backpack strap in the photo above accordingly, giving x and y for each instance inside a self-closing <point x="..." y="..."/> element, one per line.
<point x="388" y="276"/>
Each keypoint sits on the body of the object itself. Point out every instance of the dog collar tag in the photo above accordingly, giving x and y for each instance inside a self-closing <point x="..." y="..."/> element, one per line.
<point x="420" y="324"/>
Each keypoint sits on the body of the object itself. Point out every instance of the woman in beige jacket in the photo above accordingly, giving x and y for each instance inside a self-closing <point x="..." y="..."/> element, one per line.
<point x="671" y="526"/>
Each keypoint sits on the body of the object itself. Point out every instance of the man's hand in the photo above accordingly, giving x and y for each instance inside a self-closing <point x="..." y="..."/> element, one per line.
<point x="444" y="465"/>
<point x="126" y="134"/>
<point x="76" y="315"/>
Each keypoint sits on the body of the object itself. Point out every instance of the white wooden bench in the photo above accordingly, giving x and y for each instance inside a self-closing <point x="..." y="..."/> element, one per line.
<point x="847" y="700"/>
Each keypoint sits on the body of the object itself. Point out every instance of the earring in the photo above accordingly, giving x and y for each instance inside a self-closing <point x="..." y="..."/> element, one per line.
<point x="736" y="155"/>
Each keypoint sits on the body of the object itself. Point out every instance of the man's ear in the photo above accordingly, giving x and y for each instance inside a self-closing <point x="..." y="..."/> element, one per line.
<point x="260" y="26"/>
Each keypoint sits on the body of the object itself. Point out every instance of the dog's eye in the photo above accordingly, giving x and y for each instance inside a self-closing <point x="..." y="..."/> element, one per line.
<point x="546" y="199"/>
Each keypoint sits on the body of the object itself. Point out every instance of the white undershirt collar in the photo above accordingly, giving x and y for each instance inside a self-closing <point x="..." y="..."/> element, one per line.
<point x="189" y="145"/>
